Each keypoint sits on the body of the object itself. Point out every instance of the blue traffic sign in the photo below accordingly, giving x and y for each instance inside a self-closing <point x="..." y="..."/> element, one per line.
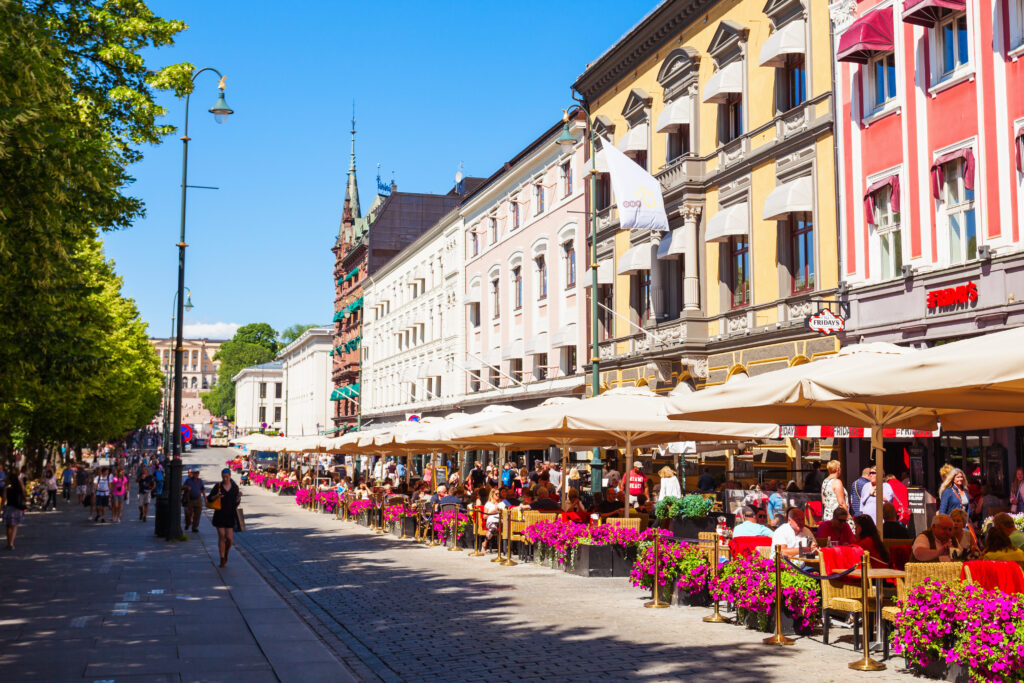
<point x="186" y="433"/>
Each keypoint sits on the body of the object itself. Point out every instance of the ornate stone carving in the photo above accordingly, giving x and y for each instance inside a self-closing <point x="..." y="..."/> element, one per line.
<point x="737" y="323"/>
<point x="794" y="123"/>
<point x="799" y="309"/>
<point x="843" y="13"/>
<point x="698" y="367"/>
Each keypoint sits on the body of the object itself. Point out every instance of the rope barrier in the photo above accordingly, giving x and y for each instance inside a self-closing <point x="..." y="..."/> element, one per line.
<point x="818" y="577"/>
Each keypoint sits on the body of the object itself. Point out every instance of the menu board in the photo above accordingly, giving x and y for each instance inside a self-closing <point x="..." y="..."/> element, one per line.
<point x="922" y="508"/>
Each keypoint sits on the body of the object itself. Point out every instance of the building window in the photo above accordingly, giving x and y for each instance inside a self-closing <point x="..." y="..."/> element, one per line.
<point x="494" y="376"/>
<point x="569" y="252"/>
<point x="515" y="370"/>
<point x="730" y="119"/>
<point x="474" y="380"/>
<point x="263" y="414"/>
<point x="739" y="271"/>
<point x="494" y="230"/>
<point x="542" y="277"/>
<point x="495" y="298"/>
<point x="1017" y="12"/>
<point x="640" y="291"/>
<point x="801" y="246"/>
<point x="887" y="228"/>
<point x="277" y="390"/>
<point x="263" y="389"/>
<point x="538" y="196"/>
<point x="794" y="83"/>
<point x="568" y="360"/>
<point x="540" y="366"/>
<point x="605" y="319"/>
<point x="474" y="314"/>
<point x="882" y="73"/>
<point x="277" y="413"/>
<point x="515" y="214"/>
<point x="678" y="140"/>
<point x="951" y="39"/>
<point x="475" y="240"/>
<point x="567" y="176"/>
<point x="604" y="191"/>
<point x="958" y="208"/>
<point x="517" y="287"/>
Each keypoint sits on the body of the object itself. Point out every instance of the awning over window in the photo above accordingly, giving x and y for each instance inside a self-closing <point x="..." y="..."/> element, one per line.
<point x="672" y="244"/>
<point x="493" y="357"/>
<point x="728" y="222"/>
<point x="893" y="183"/>
<point x="565" y="336"/>
<point x="788" y="40"/>
<point x="409" y="374"/>
<point x="967" y="154"/>
<point x="512" y="350"/>
<point x="538" y="343"/>
<point x="635" y="139"/>
<point x="927" y="13"/>
<point x="676" y="113"/>
<point x="866" y="37"/>
<point x="725" y="82"/>
<point x="605" y="273"/>
<point x="792" y="197"/>
<point x="597" y="163"/>
<point x="473" y="295"/>
<point x="434" y="368"/>
<point x="636" y="258"/>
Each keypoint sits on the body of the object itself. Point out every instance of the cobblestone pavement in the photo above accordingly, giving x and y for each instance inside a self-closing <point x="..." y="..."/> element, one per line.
<point x="395" y="610"/>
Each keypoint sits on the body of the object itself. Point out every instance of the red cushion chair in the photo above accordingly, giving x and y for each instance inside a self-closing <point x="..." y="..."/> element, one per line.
<point x="814" y="507"/>
<point x="899" y="555"/>
<point x="994" y="574"/>
<point x="744" y="545"/>
<point x="839" y="558"/>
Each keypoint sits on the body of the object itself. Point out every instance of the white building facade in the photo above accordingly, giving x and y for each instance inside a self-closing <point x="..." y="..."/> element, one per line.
<point x="413" y="328"/>
<point x="259" y="397"/>
<point x="306" y="370"/>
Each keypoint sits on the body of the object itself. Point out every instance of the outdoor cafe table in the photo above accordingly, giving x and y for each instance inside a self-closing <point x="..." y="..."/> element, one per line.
<point x="878" y="575"/>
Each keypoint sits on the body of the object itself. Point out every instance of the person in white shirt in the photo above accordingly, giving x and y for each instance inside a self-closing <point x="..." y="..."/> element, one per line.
<point x="867" y="495"/>
<point x="669" y="484"/>
<point x="793" y="535"/>
<point x="555" y="476"/>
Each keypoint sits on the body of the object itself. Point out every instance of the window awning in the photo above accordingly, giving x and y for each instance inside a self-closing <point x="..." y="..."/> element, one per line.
<point x="967" y="154"/>
<point x="635" y="139"/>
<point x="792" y="197"/>
<point x="730" y="221"/>
<point x="893" y="183"/>
<point x="867" y="36"/>
<point x="725" y="82"/>
<point x="927" y="13"/>
<point x="605" y="273"/>
<point x="538" y="343"/>
<point x="472" y="296"/>
<point x="432" y="369"/>
<point x="788" y="40"/>
<point x="493" y="357"/>
<point x="512" y="350"/>
<point x="636" y="258"/>
<point x="409" y="374"/>
<point x="565" y="336"/>
<point x="675" y="113"/>
<point x="672" y="244"/>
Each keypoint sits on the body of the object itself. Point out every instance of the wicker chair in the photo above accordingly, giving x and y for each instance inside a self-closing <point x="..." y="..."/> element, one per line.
<point x="917" y="573"/>
<point x="517" y="525"/>
<point x="532" y="517"/>
<point x="624" y="523"/>
<point x="843" y="596"/>
<point x="706" y="543"/>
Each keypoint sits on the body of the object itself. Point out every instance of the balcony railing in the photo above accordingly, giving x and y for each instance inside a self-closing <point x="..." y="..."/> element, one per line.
<point x="685" y="169"/>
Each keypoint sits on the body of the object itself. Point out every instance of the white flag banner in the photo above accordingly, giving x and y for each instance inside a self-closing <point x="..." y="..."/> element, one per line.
<point x="637" y="193"/>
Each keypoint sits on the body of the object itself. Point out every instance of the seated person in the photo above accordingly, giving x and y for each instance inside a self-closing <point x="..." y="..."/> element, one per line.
<point x="1005" y="521"/>
<point x="508" y="497"/>
<point x="891" y="527"/>
<point x="934" y="545"/>
<point x="963" y="536"/>
<point x="611" y="505"/>
<point x="837" y="530"/>
<point x="868" y="538"/>
<point x="793" y="535"/>
<point x="998" y="546"/>
<point x="544" y="501"/>
<point x="751" y="526"/>
<point x="575" y="512"/>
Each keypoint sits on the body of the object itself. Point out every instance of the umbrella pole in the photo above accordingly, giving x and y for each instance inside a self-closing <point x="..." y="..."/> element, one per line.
<point x="433" y="470"/>
<point x="625" y="476"/>
<point x="501" y="458"/>
<point x="878" y="451"/>
<point x="565" y="476"/>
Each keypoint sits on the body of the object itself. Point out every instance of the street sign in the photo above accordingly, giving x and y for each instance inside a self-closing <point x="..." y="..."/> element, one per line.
<point x="186" y="433"/>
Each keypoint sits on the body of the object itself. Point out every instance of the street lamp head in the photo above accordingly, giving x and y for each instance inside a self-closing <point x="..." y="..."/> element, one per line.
<point x="188" y="302"/>
<point x="221" y="111"/>
<point x="566" y="140"/>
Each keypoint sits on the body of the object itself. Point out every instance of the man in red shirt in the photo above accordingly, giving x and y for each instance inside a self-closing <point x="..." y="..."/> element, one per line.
<point x="637" y="482"/>
<point x="900" y="498"/>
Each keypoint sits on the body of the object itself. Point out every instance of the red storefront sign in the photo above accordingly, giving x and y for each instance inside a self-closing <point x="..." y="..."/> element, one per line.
<point x="953" y="296"/>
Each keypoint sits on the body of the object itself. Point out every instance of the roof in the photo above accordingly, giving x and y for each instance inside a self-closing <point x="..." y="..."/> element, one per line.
<point x="322" y="331"/>
<point x="272" y="366"/>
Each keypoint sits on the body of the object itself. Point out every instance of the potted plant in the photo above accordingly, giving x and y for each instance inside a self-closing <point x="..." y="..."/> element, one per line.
<point x="694" y="575"/>
<point x="360" y="509"/>
<point x="399" y="518"/>
<point x="450" y="522"/>
<point x="604" y="551"/>
<point x="689" y="515"/>
<point x="663" y="574"/>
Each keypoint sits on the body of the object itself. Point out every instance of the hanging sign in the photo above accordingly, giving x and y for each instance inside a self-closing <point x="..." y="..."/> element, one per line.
<point x="826" y="322"/>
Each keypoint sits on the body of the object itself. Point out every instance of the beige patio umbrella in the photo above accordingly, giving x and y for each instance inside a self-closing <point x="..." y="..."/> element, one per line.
<point x="626" y="417"/>
<point x="973" y="384"/>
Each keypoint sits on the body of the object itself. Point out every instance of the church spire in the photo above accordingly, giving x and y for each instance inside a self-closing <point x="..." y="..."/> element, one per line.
<point x="351" y="210"/>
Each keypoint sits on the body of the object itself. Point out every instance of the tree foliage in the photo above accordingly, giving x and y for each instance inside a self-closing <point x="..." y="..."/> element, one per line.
<point x="252" y="344"/>
<point x="292" y="333"/>
<point x="76" y="104"/>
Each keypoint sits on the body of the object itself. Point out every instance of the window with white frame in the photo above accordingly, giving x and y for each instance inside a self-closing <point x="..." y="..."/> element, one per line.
<point x="514" y="211"/>
<point x="677" y="142"/>
<point x="474" y="314"/>
<point x="515" y="370"/>
<point x="517" y="287"/>
<point x="569" y="256"/>
<point x="730" y="119"/>
<point x="951" y="45"/>
<point x="887" y="230"/>
<point x="958" y="209"/>
<point x="538" y="197"/>
<point x="494" y="229"/>
<point x="474" y="238"/>
<point x="540" y="366"/>
<point x="792" y="83"/>
<point x="542" y="277"/>
<point x="881" y="73"/>
<point x="495" y="297"/>
<point x="566" y="173"/>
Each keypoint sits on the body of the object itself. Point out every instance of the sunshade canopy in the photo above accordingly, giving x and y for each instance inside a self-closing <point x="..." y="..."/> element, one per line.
<point x="792" y="197"/>
<point x="870" y="35"/>
<point x="672" y="244"/>
<point x="927" y="13"/>
<point x="675" y="113"/>
<point x="788" y="40"/>
<point x="725" y="82"/>
<point x="635" y="139"/>
<point x="635" y="259"/>
<point x="728" y="222"/>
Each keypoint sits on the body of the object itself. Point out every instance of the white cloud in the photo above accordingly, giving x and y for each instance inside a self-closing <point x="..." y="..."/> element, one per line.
<point x="210" y="330"/>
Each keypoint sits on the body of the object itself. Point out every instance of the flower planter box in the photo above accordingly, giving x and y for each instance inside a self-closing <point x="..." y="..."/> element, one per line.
<point x="938" y="669"/>
<point x="287" y="491"/>
<point x="755" y="621"/>
<point x="363" y="518"/>
<point x="701" y="598"/>
<point x="594" y="560"/>
<point x="789" y="626"/>
<point x="690" y="527"/>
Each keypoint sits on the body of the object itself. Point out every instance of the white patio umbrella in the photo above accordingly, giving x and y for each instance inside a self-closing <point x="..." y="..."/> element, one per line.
<point x="626" y="417"/>
<point x="973" y="384"/>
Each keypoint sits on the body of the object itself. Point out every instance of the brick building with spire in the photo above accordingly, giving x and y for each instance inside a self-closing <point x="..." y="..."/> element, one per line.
<point x="365" y="243"/>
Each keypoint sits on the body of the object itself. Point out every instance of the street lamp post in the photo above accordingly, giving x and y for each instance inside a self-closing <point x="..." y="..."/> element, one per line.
<point x="167" y="384"/>
<point x="220" y="111"/>
<point x="568" y="143"/>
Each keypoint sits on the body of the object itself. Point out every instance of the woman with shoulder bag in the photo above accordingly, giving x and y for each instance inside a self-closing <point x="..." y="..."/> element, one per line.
<point x="224" y="500"/>
<point x="14" y="508"/>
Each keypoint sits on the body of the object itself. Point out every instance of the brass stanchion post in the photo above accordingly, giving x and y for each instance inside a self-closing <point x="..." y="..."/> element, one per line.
<point x="717" y="617"/>
<point x="453" y="544"/>
<point x="509" y="562"/>
<point x="866" y="663"/>
<point x="476" y="535"/>
<point x="501" y="531"/>
<point x="778" y="638"/>
<point x="431" y="530"/>
<point x="656" y="601"/>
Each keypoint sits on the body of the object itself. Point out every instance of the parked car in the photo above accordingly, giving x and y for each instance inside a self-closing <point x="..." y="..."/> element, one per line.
<point x="200" y="442"/>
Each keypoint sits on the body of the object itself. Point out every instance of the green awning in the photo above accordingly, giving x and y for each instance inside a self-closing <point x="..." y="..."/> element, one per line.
<point x="350" y="275"/>
<point x="336" y="395"/>
<point x="340" y="315"/>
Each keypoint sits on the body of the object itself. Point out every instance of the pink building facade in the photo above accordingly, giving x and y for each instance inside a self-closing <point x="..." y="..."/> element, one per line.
<point x="525" y="274"/>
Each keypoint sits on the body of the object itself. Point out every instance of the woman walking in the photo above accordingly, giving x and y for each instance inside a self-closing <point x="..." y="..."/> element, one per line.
<point x="50" y="481"/>
<point x="833" y="494"/>
<point x="118" y="493"/>
<point x="953" y="493"/>
<point x="227" y="492"/>
<point x="14" y="508"/>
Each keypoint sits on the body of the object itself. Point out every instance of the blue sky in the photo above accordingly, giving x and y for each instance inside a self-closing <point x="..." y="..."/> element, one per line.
<point x="435" y="83"/>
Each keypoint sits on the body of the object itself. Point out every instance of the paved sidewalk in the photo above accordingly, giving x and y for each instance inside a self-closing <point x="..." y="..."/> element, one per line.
<point x="112" y="602"/>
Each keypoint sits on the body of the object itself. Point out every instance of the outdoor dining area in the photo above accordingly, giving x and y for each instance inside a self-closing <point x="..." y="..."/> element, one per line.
<point x="950" y="608"/>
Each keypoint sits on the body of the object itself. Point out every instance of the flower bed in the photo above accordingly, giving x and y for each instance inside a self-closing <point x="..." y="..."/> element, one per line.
<point x="962" y="625"/>
<point x="449" y="522"/>
<point x="669" y="565"/>
<point x="303" y="497"/>
<point x="327" y="499"/>
<point x="396" y="513"/>
<point x="748" y="582"/>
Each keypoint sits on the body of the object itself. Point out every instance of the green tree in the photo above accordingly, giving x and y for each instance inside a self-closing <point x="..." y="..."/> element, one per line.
<point x="292" y="333"/>
<point x="252" y="344"/>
